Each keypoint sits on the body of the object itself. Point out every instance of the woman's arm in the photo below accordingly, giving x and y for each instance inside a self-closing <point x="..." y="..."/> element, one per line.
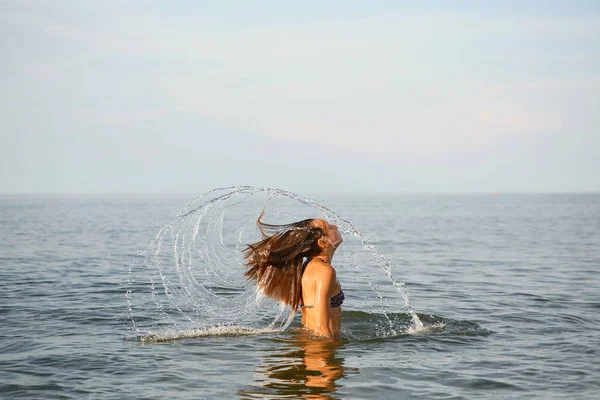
<point x="325" y="284"/>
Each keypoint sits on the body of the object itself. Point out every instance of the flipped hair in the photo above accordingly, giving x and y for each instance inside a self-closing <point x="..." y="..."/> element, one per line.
<point x="276" y="262"/>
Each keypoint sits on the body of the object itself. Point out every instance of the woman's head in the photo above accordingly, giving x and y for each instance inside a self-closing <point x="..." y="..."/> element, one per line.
<point x="332" y="237"/>
<point x="276" y="262"/>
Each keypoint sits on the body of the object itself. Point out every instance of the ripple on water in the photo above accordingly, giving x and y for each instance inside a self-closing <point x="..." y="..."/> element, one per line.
<point x="357" y="326"/>
<point x="362" y="326"/>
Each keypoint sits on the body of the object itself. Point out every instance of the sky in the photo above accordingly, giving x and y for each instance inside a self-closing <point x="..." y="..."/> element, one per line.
<point x="140" y="96"/>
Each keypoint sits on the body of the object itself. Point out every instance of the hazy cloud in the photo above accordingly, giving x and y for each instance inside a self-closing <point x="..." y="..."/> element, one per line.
<point x="402" y="97"/>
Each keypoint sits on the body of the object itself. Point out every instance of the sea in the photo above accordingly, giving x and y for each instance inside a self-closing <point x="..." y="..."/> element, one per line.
<point x="506" y="287"/>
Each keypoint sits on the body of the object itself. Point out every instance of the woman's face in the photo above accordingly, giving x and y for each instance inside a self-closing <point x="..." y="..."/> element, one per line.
<point x="331" y="232"/>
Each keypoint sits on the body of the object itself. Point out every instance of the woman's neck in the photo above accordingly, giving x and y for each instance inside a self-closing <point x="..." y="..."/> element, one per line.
<point x="326" y="255"/>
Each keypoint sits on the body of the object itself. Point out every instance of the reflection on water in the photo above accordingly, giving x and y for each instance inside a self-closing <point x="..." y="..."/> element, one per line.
<point x="302" y="366"/>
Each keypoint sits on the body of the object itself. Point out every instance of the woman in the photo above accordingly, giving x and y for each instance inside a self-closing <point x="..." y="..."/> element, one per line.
<point x="293" y="265"/>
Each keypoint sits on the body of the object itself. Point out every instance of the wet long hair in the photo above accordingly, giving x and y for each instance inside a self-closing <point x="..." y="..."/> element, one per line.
<point x="276" y="262"/>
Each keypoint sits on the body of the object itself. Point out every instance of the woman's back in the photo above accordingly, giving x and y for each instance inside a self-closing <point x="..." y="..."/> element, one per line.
<point x="322" y="297"/>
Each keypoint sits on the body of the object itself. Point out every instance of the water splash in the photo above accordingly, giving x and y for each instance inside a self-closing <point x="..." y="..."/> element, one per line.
<point x="230" y="330"/>
<point x="190" y="279"/>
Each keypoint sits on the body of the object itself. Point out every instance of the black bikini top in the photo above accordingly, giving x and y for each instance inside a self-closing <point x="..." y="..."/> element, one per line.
<point x="336" y="300"/>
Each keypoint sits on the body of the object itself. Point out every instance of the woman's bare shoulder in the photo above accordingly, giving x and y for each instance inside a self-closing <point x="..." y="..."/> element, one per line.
<point x="321" y="271"/>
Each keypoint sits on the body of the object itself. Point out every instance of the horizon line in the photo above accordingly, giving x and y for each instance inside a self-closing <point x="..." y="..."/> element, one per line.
<point x="352" y="192"/>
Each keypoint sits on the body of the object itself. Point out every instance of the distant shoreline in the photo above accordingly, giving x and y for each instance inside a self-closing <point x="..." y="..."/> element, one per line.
<point x="332" y="194"/>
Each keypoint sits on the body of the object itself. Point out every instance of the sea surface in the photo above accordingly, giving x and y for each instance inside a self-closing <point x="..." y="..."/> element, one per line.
<point x="507" y="286"/>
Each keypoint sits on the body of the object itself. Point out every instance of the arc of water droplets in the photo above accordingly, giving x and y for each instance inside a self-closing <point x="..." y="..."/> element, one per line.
<point x="193" y="300"/>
